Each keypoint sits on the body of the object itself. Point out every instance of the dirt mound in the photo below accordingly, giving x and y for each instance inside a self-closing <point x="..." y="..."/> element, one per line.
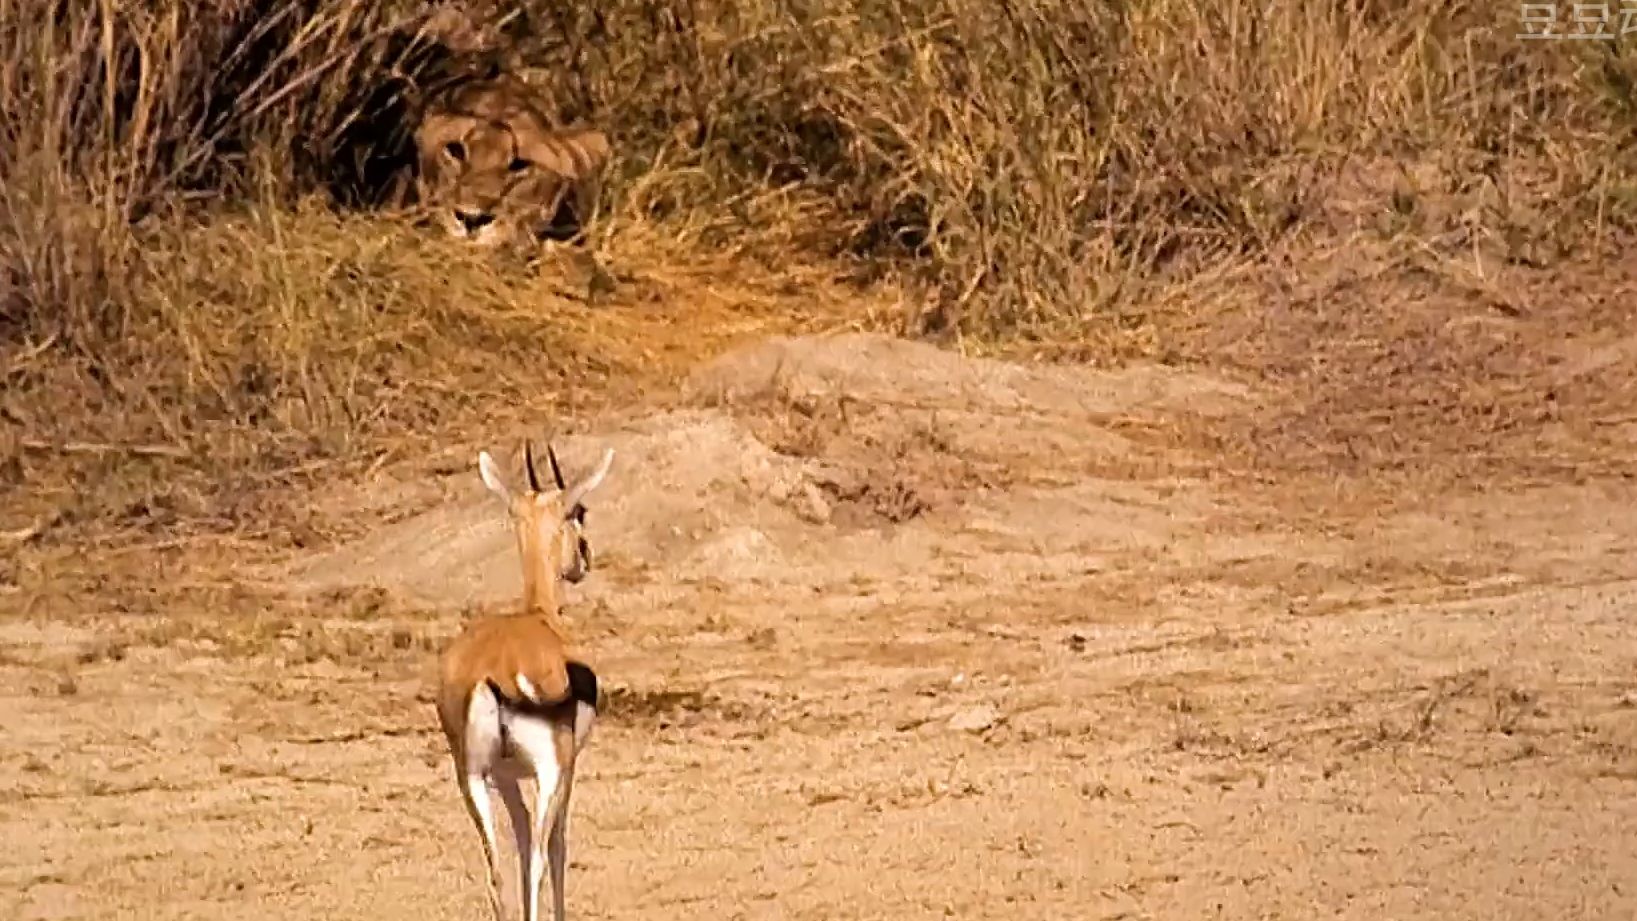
<point x="813" y="461"/>
<point x="684" y="488"/>
<point x="872" y="368"/>
<point x="949" y="422"/>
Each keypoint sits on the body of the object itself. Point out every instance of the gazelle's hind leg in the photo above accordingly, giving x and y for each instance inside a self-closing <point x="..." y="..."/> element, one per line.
<point x="535" y="737"/>
<point x="585" y="716"/>
<point x="475" y="792"/>
<point x="569" y="739"/>
<point x="481" y="747"/>
<point x="557" y="844"/>
<point x="522" y="834"/>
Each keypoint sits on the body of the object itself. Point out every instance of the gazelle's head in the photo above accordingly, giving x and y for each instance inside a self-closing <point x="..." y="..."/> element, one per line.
<point x="550" y="522"/>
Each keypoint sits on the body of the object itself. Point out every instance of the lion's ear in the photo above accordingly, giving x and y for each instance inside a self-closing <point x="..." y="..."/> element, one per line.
<point x="575" y="153"/>
<point x="454" y="27"/>
<point x="439" y="129"/>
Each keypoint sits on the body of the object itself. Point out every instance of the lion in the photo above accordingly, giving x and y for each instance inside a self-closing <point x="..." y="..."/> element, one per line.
<point x="493" y="167"/>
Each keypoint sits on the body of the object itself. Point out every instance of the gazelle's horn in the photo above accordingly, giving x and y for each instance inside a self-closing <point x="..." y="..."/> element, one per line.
<point x="556" y="471"/>
<point x="528" y="464"/>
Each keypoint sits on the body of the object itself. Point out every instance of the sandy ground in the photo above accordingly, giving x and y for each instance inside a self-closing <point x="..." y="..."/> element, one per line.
<point x="890" y="633"/>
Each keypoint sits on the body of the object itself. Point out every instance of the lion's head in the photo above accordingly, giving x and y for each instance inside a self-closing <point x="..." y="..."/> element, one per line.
<point x="493" y="167"/>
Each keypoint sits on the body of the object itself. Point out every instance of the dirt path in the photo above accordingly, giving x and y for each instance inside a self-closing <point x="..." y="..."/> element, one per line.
<point x="891" y="634"/>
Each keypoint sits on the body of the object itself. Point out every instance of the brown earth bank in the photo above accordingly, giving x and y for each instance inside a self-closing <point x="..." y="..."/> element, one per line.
<point x="1326" y="614"/>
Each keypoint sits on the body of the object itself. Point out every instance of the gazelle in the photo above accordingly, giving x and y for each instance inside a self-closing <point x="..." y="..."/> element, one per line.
<point x="511" y="701"/>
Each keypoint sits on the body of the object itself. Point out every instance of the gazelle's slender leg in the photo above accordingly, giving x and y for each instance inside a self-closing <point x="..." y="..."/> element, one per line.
<point x="475" y="791"/>
<point x="535" y="738"/>
<point x="585" y="718"/>
<point x="522" y="835"/>
<point x="478" y="750"/>
<point x="557" y="844"/>
<point x="547" y="808"/>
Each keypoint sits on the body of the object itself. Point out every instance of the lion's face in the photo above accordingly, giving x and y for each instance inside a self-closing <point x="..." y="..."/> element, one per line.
<point x="489" y="178"/>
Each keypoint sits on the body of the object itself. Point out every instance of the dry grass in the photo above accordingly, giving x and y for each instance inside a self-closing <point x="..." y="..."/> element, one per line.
<point x="190" y="299"/>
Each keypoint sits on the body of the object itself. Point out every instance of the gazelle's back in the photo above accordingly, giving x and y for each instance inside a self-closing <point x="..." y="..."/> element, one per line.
<point x="523" y="656"/>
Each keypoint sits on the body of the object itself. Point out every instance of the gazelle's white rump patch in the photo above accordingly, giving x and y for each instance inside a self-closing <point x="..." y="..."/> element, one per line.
<point x="527" y="687"/>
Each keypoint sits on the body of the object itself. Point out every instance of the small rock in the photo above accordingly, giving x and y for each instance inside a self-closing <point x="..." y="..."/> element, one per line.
<point x="802" y="497"/>
<point x="811" y="506"/>
<point x="974" y="719"/>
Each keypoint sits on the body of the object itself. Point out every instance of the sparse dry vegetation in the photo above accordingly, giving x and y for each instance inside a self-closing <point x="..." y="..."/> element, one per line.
<point x="192" y="265"/>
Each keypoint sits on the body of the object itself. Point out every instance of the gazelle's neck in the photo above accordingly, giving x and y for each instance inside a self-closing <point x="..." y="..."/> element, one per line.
<point x="542" y="586"/>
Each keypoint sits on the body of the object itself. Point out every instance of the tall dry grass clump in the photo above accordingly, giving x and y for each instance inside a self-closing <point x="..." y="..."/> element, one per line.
<point x="1034" y="159"/>
<point x="175" y="300"/>
<point x="181" y="261"/>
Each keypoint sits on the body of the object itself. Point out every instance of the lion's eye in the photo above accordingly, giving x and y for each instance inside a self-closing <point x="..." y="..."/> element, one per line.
<point x="518" y="165"/>
<point x="456" y="149"/>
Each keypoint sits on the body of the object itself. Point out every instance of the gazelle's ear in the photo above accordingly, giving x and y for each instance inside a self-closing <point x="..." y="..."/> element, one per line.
<point x="490" y="471"/>
<point x="577" y="493"/>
